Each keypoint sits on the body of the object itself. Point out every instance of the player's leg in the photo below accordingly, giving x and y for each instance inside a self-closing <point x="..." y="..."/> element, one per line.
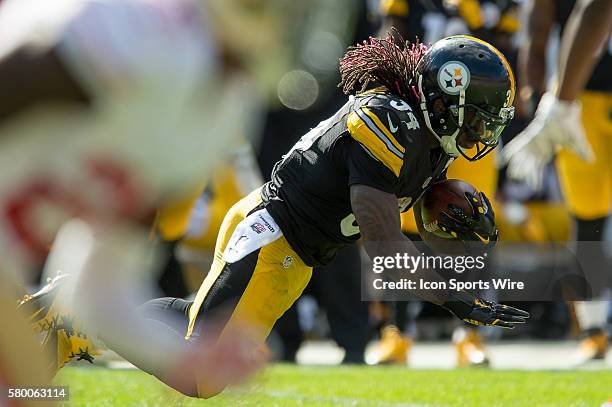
<point x="591" y="315"/>
<point x="237" y="302"/>
<point x="168" y="316"/>
<point x="587" y="189"/>
<point x="247" y="298"/>
<point x="251" y="294"/>
<point x="247" y="295"/>
<point x="173" y="312"/>
<point x="181" y="363"/>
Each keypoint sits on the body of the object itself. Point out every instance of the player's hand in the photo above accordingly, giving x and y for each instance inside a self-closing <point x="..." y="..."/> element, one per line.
<point x="480" y="312"/>
<point x="479" y="227"/>
<point x="557" y="124"/>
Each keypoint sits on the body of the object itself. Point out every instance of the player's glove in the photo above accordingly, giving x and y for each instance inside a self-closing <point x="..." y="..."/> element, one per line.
<point x="478" y="231"/>
<point x="557" y="124"/>
<point x="480" y="312"/>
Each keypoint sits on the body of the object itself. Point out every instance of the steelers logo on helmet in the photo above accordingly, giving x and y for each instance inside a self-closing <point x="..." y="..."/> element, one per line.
<point x="453" y="77"/>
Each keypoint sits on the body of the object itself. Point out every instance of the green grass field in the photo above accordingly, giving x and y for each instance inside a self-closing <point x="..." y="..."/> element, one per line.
<point x="287" y="385"/>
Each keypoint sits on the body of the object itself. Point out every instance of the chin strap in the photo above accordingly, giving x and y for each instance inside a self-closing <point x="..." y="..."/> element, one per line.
<point x="448" y="143"/>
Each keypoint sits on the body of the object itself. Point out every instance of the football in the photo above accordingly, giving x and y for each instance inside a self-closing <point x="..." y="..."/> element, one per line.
<point x="430" y="207"/>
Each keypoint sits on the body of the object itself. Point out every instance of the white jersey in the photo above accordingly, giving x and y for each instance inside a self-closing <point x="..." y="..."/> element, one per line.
<point x="157" y="123"/>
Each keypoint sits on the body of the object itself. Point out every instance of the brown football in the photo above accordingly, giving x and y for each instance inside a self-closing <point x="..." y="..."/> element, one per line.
<point x="429" y="208"/>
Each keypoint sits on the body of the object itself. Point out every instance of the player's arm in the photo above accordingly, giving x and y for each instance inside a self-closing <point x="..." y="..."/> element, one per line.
<point x="377" y="215"/>
<point x="378" y="218"/>
<point x="581" y="46"/>
<point x="29" y="76"/>
<point x="376" y="155"/>
<point x="558" y="120"/>
<point x="532" y="54"/>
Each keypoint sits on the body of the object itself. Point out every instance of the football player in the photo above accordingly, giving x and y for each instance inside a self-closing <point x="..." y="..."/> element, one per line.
<point x="574" y="119"/>
<point x="497" y="23"/>
<point x="409" y="115"/>
<point x="110" y="108"/>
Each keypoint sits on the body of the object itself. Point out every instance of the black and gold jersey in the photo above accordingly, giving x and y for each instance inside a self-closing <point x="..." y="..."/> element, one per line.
<point x="375" y="139"/>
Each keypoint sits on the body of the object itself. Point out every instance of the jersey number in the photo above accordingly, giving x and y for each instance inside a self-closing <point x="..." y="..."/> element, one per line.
<point x="413" y="124"/>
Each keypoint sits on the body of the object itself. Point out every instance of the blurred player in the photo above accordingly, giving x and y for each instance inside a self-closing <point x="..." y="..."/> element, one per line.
<point x="577" y="122"/>
<point x="110" y="108"/>
<point x="430" y="21"/>
<point x="365" y="164"/>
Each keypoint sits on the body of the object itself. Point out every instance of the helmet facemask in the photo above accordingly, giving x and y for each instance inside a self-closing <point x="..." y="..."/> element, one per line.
<point x="479" y="125"/>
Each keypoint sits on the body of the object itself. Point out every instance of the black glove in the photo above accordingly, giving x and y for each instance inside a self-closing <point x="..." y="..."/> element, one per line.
<point x="480" y="312"/>
<point x="477" y="231"/>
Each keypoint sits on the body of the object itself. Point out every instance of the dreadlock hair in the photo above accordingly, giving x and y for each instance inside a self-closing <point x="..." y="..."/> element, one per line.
<point x="390" y="62"/>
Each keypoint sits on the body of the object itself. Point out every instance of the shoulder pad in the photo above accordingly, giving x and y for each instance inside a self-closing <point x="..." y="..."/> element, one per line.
<point x="399" y="111"/>
<point x="378" y="130"/>
<point x="388" y="101"/>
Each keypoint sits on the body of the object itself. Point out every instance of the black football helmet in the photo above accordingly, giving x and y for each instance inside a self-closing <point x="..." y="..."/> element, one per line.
<point x="466" y="86"/>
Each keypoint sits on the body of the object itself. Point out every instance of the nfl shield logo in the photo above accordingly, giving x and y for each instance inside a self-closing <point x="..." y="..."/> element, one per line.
<point x="258" y="227"/>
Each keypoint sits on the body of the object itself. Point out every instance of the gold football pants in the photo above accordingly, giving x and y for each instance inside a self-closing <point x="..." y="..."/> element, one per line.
<point x="254" y="291"/>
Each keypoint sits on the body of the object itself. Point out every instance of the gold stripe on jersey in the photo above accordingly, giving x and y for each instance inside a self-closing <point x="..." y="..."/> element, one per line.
<point x="379" y="130"/>
<point x="376" y="141"/>
<point x="388" y="137"/>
